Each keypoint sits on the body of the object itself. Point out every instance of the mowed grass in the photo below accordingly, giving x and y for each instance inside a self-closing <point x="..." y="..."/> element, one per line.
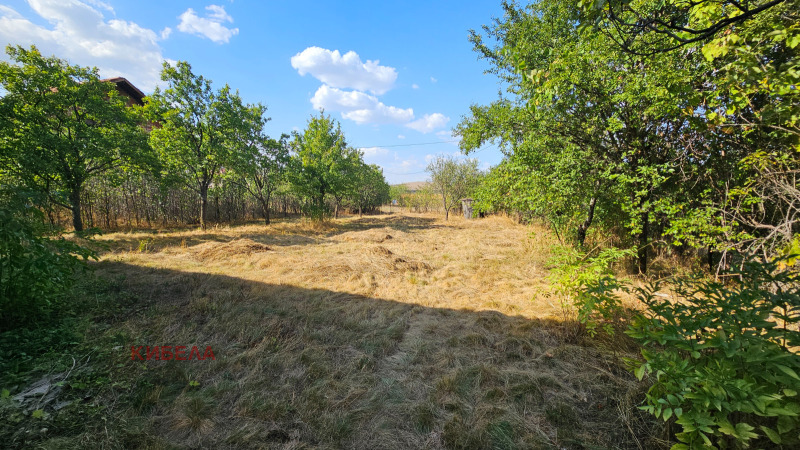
<point x="389" y="331"/>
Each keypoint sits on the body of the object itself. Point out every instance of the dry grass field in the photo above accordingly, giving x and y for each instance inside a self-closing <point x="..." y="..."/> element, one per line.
<point x="389" y="331"/>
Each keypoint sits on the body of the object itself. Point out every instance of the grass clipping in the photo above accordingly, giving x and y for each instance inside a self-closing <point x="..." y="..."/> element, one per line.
<point x="224" y="250"/>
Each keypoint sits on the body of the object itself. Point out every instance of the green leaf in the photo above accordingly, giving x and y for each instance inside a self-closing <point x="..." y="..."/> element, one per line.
<point x="744" y="431"/>
<point x="788" y="371"/>
<point x="725" y="427"/>
<point x="639" y="372"/>
<point x="771" y="434"/>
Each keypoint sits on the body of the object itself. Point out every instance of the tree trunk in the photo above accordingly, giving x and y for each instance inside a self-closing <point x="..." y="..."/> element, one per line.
<point x="75" y="200"/>
<point x="582" y="228"/>
<point x="203" y="205"/>
<point x="710" y="259"/>
<point x="265" y="207"/>
<point x="642" y="253"/>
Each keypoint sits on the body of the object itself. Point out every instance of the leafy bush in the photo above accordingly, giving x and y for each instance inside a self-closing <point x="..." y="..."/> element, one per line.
<point x="35" y="270"/>
<point x="724" y="358"/>
<point x="588" y="282"/>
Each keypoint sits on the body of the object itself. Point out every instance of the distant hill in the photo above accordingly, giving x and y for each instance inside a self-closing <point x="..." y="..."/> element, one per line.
<point x="415" y="185"/>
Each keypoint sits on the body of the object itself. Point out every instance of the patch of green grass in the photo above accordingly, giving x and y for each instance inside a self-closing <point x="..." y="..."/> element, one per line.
<point x="501" y="434"/>
<point x="424" y="417"/>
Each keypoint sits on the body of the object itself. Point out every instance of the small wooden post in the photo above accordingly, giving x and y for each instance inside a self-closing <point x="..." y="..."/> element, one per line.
<point x="466" y="206"/>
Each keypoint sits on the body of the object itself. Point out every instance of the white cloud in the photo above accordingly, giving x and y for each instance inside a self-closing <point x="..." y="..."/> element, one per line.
<point x="374" y="152"/>
<point x="359" y="106"/>
<point x="211" y="26"/>
<point x="433" y="80"/>
<point x="410" y="164"/>
<point x="429" y="122"/>
<point x="79" y="32"/>
<point x="218" y="14"/>
<point x="101" y="5"/>
<point x="165" y="33"/>
<point x="415" y="86"/>
<point x="344" y="71"/>
<point x="9" y="13"/>
<point x="400" y="136"/>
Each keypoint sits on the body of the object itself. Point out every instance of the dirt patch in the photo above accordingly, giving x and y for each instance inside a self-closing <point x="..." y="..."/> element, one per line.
<point x="222" y="250"/>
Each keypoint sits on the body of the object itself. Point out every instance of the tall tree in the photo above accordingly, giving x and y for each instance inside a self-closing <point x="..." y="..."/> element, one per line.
<point x="748" y="102"/>
<point x="370" y="189"/>
<point x="199" y="132"/>
<point x="265" y="175"/>
<point x="453" y="180"/>
<point x="323" y="162"/>
<point x="62" y="126"/>
<point x="600" y="132"/>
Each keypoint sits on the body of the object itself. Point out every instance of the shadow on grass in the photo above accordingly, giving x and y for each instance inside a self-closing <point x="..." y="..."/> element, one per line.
<point x="297" y="367"/>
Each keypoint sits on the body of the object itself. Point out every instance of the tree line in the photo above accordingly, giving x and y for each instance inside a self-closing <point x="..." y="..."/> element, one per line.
<point x="191" y="154"/>
<point x="71" y="145"/>
<point x="618" y="124"/>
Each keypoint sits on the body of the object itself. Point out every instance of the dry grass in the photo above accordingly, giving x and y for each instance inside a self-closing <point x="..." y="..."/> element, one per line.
<point x="391" y="331"/>
<point x="488" y="264"/>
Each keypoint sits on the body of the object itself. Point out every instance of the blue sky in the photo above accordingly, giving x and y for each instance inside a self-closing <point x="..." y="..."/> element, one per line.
<point x="394" y="74"/>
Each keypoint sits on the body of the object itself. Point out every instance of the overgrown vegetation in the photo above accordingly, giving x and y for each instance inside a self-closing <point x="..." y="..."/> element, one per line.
<point x="689" y="151"/>
<point x="36" y="268"/>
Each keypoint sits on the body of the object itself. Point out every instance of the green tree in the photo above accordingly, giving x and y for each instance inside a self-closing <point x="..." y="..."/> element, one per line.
<point x="264" y="177"/>
<point x="201" y="133"/>
<point x="595" y="132"/>
<point x="323" y="163"/>
<point x="62" y="126"/>
<point x="399" y="192"/>
<point x="747" y="106"/>
<point x="453" y="180"/>
<point x="370" y="187"/>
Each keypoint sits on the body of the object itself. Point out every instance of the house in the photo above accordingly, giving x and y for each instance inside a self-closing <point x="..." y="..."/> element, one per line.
<point x="126" y="88"/>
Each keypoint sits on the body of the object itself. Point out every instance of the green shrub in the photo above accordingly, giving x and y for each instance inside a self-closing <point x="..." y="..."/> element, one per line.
<point x="35" y="270"/>
<point x="723" y="357"/>
<point x="589" y="285"/>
